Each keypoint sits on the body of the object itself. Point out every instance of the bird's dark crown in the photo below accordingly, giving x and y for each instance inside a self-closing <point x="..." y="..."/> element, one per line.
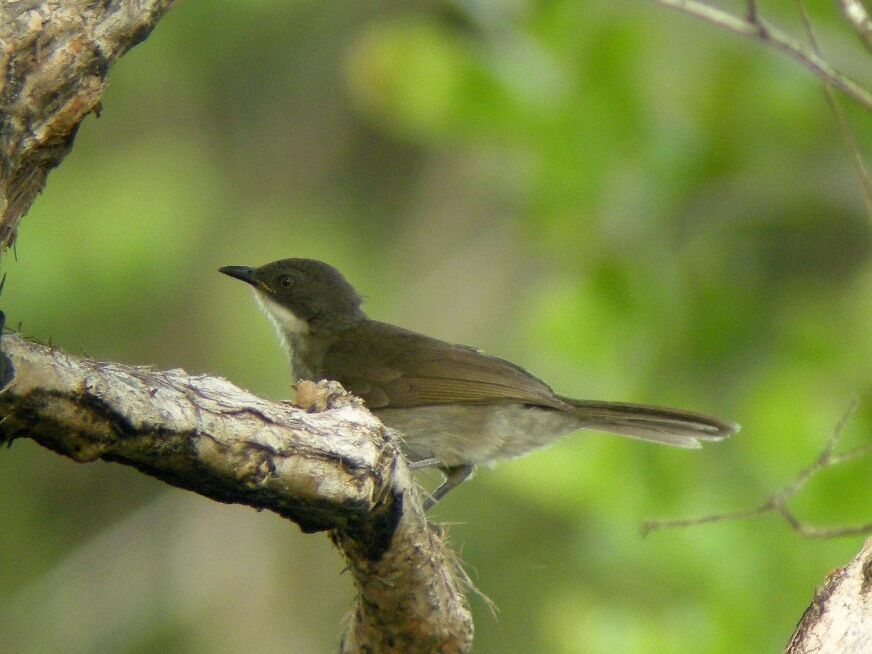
<point x="310" y="289"/>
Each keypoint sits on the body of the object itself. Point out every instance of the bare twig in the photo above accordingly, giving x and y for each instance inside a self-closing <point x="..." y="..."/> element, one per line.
<point x="777" y="503"/>
<point x="751" y="12"/>
<point x="754" y="27"/>
<point x="857" y="15"/>
<point x="844" y="127"/>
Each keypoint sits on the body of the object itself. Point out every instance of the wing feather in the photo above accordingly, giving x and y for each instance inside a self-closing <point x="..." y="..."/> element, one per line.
<point x="392" y="367"/>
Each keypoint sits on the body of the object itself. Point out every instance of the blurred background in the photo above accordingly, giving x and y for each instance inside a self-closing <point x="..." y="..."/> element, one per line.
<point x="630" y="203"/>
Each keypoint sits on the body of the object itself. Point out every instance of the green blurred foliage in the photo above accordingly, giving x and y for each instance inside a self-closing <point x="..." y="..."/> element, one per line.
<point x="628" y="202"/>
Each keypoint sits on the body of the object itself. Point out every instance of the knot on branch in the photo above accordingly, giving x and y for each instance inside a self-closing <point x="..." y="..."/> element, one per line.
<point x="332" y="466"/>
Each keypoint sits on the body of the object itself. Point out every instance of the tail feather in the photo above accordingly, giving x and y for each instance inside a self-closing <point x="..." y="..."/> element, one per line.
<point x="652" y="423"/>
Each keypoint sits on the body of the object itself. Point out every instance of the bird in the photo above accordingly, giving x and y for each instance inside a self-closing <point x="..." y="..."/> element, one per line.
<point x="456" y="407"/>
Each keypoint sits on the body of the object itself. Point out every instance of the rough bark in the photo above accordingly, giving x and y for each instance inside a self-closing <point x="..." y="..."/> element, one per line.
<point x="839" y="619"/>
<point x="54" y="57"/>
<point x="337" y="470"/>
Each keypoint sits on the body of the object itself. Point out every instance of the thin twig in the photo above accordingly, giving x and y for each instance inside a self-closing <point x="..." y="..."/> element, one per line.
<point x="857" y="15"/>
<point x="844" y="127"/>
<point x="751" y="13"/>
<point x="763" y="32"/>
<point x="656" y="525"/>
<point x="777" y="503"/>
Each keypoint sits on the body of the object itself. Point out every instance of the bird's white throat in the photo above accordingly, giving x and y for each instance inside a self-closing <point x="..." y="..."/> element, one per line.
<point x="286" y="323"/>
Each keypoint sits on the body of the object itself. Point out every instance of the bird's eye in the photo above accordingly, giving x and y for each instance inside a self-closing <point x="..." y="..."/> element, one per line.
<point x="285" y="281"/>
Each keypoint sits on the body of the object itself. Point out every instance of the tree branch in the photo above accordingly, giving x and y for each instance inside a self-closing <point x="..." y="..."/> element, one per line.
<point x="839" y="618"/>
<point x="754" y="27"/>
<point x="54" y="58"/>
<point x="857" y="15"/>
<point x="778" y="501"/>
<point x="338" y="470"/>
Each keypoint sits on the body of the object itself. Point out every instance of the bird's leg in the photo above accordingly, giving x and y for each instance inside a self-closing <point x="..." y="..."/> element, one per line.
<point x="454" y="476"/>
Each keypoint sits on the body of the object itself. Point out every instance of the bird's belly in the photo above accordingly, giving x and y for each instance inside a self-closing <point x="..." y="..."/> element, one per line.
<point x="476" y="433"/>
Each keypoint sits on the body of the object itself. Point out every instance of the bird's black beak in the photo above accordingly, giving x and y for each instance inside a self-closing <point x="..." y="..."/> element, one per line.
<point x="245" y="273"/>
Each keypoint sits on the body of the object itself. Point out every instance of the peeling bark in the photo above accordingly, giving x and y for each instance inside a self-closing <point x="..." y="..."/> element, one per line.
<point x="839" y="619"/>
<point x="55" y="56"/>
<point x="336" y="470"/>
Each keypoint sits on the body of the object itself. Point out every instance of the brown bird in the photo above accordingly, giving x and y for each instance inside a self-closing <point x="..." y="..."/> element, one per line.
<point x="456" y="407"/>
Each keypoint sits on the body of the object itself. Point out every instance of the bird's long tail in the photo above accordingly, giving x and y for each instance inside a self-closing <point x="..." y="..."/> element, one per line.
<point x="652" y="423"/>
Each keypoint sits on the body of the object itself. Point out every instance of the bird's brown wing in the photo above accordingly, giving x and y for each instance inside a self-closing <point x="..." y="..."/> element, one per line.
<point x="391" y="367"/>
